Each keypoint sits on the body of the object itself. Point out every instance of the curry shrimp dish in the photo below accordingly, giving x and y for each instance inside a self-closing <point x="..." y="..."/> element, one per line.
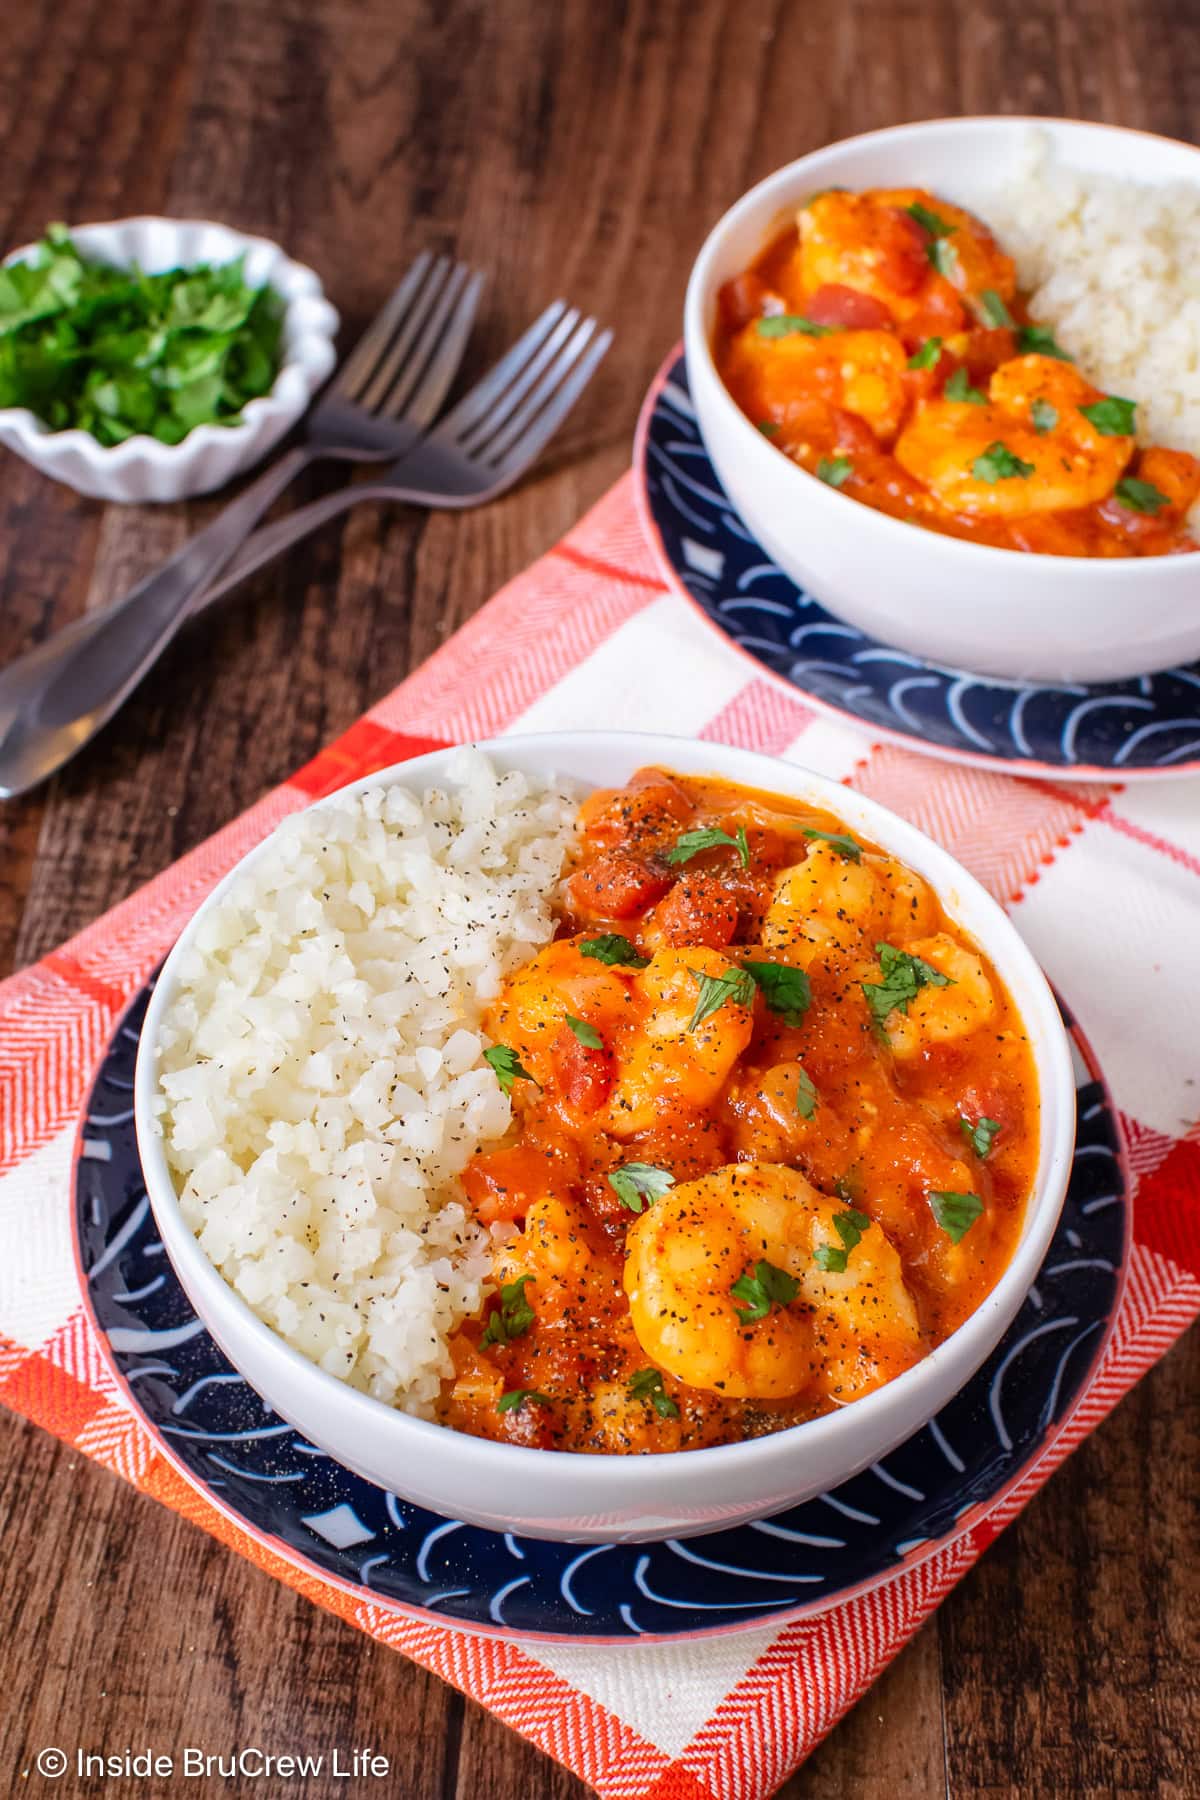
<point x="881" y="342"/>
<point x="666" y="1117"/>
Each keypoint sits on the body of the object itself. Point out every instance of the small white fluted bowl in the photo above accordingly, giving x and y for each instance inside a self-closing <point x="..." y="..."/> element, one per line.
<point x="141" y="468"/>
<point x="958" y="604"/>
<point x="589" y="1499"/>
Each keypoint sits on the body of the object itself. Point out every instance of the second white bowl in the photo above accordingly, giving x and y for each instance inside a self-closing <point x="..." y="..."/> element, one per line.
<point x="954" y="603"/>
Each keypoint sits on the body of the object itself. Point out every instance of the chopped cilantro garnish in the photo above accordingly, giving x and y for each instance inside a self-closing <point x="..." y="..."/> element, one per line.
<point x="512" y="1317"/>
<point x="944" y="258"/>
<point x="1140" y="496"/>
<point x="926" y="356"/>
<point x="507" y="1067"/>
<point x="635" y="1183"/>
<point x="981" y="1135"/>
<point x="587" y="1034"/>
<point x="767" y="1287"/>
<point x="787" y="991"/>
<point x="788" y="324"/>
<point x="769" y="428"/>
<point x="735" y="984"/>
<point x="1044" y="416"/>
<point x="935" y="226"/>
<point x="515" y="1399"/>
<point x="959" y="388"/>
<point x="1037" y="340"/>
<point x="647" y="1384"/>
<point x="955" y="1213"/>
<point x="903" y="978"/>
<point x="1112" y="416"/>
<point x="806" y="1093"/>
<point x="612" y="948"/>
<point x="710" y="838"/>
<point x="834" y="471"/>
<point x="992" y="309"/>
<point x="841" y="841"/>
<point x="999" y="464"/>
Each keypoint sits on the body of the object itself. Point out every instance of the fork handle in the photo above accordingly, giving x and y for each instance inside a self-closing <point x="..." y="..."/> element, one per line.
<point x="55" y="698"/>
<point x="272" y="540"/>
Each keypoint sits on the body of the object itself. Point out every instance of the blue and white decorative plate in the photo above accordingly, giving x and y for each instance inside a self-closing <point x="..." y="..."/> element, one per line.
<point x="1120" y="731"/>
<point x="310" y="1510"/>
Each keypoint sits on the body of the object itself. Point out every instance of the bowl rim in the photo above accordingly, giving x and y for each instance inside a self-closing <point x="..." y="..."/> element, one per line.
<point x="42" y="439"/>
<point x="750" y="442"/>
<point x="611" y="1470"/>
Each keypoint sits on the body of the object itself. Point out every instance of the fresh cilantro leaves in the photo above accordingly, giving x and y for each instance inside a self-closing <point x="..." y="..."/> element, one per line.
<point x="959" y="388"/>
<point x="710" y="837"/>
<point x="992" y="309"/>
<point x="116" y="352"/>
<point x="788" y="324"/>
<point x="612" y="948"/>
<point x="787" y="991"/>
<point x="849" y="1226"/>
<point x="943" y="256"/>
<point x="515" y="1399"/>
<point x="507" y="1067"/>
<point x="512" y="1317"/>
<point x="735" y="984"/>
<point x="1112" y="416"/>
<point x="841" y="841"/>
<point x="1037" y="340"/>
<point x="1044" y="416"/>
<point x="647" y="1384"/>
<point x="834" y="471"/>
<point x="955" y="1213"/>
<point x="981" y="1135"/>
<point x="636" y="1183"/>
<point x="806" y="1093"/>
<point x="587" y="1034"/>
<point x="903" y="978"/>
<point x="926" y="356"/>
<point x="1140" y="496"/>
<point x="935" y="226"/>
<point x="999" y="464"/>
<point x="765" y="1288"/>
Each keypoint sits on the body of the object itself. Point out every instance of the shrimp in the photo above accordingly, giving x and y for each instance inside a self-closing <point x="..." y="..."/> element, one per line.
<point x="845" y="1331"/>
<point x="535" y="1001"/>
<point x="877" y="244"/>
<point x="936" y="1015"/>
<point x="558" y="1250"/>
<point x="1028" y="449"/>
<point x="829" y="904"/>
<point x="796" y="381"/>
<point x="667" y="1058"/>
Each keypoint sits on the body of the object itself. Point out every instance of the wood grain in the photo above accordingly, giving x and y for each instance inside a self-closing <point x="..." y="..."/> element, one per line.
<point x="566" y="147"/>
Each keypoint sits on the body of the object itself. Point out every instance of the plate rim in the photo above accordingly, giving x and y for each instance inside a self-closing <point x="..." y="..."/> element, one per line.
<point x="1029" y="769"/>
<point x="411" y="1611"/>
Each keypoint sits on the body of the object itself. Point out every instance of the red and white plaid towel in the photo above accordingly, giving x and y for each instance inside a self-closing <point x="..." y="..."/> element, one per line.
<point x="1104" y="883"/>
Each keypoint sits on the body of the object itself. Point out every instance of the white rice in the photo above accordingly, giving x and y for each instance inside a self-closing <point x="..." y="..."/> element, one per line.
<point x="1113" y="266"/>
<point x="320" y="1068"/>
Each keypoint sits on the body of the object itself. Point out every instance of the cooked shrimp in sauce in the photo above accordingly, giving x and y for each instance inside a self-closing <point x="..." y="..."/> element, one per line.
<point x="774" y="1128"/>
<point x="882" y="343"/>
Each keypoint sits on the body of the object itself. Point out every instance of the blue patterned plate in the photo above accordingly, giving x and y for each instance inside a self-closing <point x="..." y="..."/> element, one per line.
<point x="307" y="1508"/>
<point x="1124" y="731"/>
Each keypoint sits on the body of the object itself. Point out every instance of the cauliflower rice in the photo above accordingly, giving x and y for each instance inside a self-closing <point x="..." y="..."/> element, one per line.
<point x="1113" y="266"/>
<point x="320" y="1068"/>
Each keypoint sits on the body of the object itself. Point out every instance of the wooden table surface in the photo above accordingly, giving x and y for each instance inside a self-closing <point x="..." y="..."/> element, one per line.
<point x="579" y="147"/>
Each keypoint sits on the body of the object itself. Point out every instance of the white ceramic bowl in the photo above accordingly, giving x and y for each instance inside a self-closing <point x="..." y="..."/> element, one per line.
<point x="141" y="468"/>
<point x="596" y="1498"/>
<point x="958" y="604"/>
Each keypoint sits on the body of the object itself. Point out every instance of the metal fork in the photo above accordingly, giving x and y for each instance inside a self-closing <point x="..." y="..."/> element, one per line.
<point x="54" y="699"/>
<point x="480" y="448"/>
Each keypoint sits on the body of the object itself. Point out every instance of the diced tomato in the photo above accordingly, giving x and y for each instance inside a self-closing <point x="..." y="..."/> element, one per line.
<point x="503" y="1183"/>
<point x="847" y="309"/>
<point x="650" y="805"/>
<point x="615" y="886"/>
<point x="583" y="1075"/>
<point x="698" y="910"/>
<point x="942" y="313"/>
<point x="986" y="350"/>
<point x="742" y="299"/>
<point x="901" y="244"/>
